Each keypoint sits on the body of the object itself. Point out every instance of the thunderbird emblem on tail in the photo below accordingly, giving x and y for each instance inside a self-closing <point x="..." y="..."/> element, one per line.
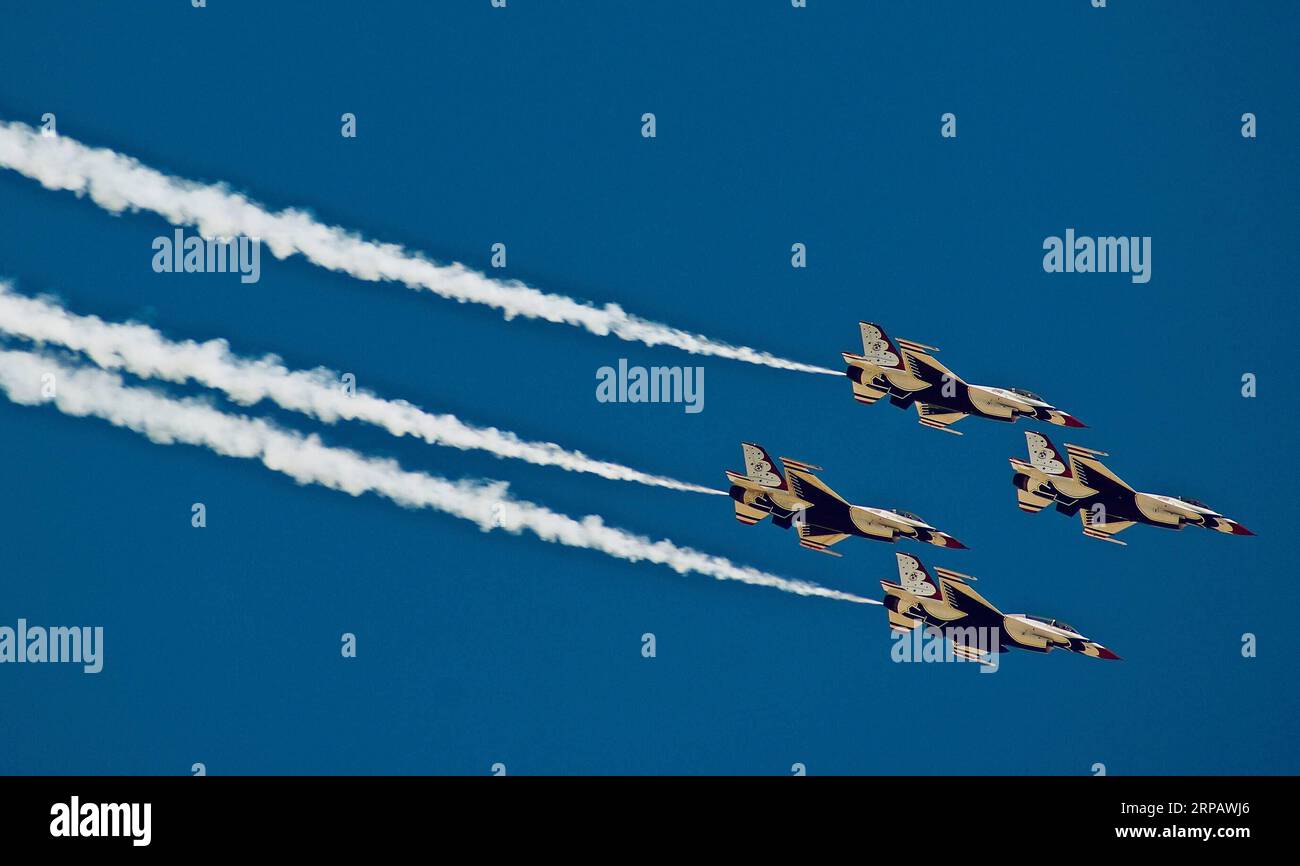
<point x="1077" y="483"/>
<point x="822" y="517"/>
<point x="910" y="376"/>
<point x="970" y="622"/>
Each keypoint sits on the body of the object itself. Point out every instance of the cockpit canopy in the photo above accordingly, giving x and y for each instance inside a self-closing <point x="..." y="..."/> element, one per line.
<point x="1190" y="501"/>
<point x="1056" y="623"/>
<point x="909" y="515"/>
<point x="1024" y="393"/>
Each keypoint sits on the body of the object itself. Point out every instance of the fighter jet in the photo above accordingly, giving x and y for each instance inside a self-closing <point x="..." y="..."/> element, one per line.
<point x="975" y="627"/>
<point x="910" y="375"/>
<point x="1077" y="483"/>
<point x="821" y="516"/>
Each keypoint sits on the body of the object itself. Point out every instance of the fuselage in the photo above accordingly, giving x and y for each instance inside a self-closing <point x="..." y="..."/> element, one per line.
<point x="951" y="393"/>
<point x="1111" y="502"/>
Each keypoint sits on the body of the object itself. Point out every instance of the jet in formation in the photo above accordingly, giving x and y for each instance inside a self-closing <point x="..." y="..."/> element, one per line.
<point x="911" y="377"/>
<point x="821" y="516"/>
<point x="975" y="628"/>
<point x="1077" y="483"/>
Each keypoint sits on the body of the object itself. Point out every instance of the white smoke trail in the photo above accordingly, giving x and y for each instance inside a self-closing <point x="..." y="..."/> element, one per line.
<point x="91" y="392"/>
<point x="145" y="352"/>
<point x="116" y="182"/>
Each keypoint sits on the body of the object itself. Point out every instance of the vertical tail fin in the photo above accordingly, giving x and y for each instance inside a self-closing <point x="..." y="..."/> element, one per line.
<point x="761" y="468"/>
<point x="914" y="578"/>
<point x="1046" y="457"/>
<point x="878" y="348"/>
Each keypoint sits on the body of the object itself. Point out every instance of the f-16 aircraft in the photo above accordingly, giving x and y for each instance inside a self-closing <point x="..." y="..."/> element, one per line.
<point x="821" y="516"/>
<point x="910" y="376"/>
<point x="974" y="626"/>
<point x="1077" y="483"/>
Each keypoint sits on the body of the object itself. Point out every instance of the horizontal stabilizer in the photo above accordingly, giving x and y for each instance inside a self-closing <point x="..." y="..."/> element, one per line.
<point x="1031" y="502"/>
<point x="865" y="394"/>
<point x="869" y="385"/>
<point x="749" y="515"/>
<point x="899" y="622"/>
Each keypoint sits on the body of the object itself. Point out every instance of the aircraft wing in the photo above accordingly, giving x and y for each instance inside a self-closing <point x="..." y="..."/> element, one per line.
<point x="1086" y="468"/>
<point x="960" y="594"/>
<point x="938" y="418"/>
<point x="922" y="364"/>
<point x="806" y="485"/>
<point x="972" y="653"/>
<point x="818" y="538"/>
<point x="1104" y="530"/>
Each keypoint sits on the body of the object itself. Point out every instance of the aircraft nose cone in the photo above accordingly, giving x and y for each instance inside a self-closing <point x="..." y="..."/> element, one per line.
<point x="1238" y="529"/>
<point x="949" y="541"/>
<point x="1103" y="653"/>
<point x="1071" y="421"/>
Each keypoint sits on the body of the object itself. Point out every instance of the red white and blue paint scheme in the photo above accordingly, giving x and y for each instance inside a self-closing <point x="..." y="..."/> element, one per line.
<point x="1076" y="482"/>
<point x="820" y="515"/>
<point x="972" y="624"/>
<point x="909" y="375"/>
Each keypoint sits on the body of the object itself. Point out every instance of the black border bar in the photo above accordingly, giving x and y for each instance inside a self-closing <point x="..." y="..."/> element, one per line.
<point x="336" y="813"/>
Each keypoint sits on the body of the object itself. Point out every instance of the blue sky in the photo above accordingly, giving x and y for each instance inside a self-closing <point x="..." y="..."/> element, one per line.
<point x="775" y="126"/>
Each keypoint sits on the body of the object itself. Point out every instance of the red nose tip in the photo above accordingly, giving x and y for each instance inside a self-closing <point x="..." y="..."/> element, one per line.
<point x="949" y="541"/>
<point x="1071" y="421"/>
<point x="1103" y="653"/>
<point x="1238" y="529"/>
